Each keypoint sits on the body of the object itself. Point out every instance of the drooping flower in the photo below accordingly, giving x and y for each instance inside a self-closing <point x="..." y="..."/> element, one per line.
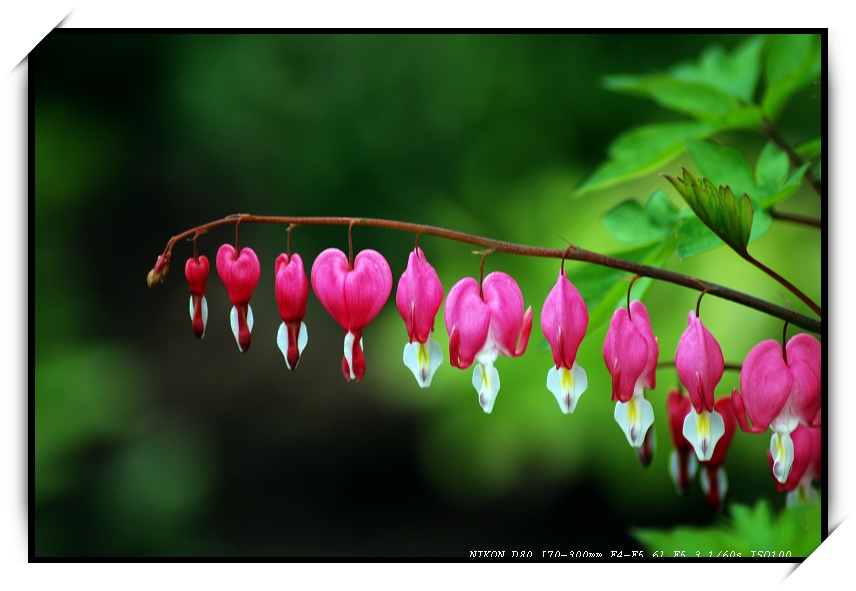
<point x="630" y="352"/>
<point x="418" y="299"/>
<point x="240" y="274"/>
<point x="196" y="271"/>
<point x="700" y="365"/>
<point x="713" y="479"/>
<point x="483" y="324"/>
<point x="806" y="465"/>
<point x="682" y="463"/>
<point x="353" y="295"/>
<point x="780" y="391"/>
<point x="292" y="291"/>
<point x="564" y="321"/>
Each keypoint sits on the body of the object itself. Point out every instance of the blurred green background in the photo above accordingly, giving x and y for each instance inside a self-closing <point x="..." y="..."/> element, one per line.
<point x="151" y="443"/>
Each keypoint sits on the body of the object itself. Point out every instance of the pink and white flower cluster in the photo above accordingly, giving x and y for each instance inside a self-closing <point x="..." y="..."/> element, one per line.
<point x="780" y="389"/>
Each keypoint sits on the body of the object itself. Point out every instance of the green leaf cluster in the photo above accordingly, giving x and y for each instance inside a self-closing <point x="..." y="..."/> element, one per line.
<point x="721" y="90"/>
<point x="795" y="530"/>
<point x="728" y="200"/>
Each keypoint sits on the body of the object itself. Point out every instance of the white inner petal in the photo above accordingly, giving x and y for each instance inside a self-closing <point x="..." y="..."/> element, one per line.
<point x="567" y="385"/>
<point x="634" y="417"/>
<point x="204" y="316"/>
<point x="486" y="383"/>
<point x="782" y="450"/>
<point x="703" y="431"/>
<point x="302" y="338"/>
<point x="349" y="351"/>
<point x="423" y="359"/>
<point x="233" y="320"/>
<point x="282" y="342"/>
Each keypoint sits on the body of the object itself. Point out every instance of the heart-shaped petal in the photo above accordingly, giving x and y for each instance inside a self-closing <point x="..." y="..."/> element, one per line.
<point x="352" y="296"/>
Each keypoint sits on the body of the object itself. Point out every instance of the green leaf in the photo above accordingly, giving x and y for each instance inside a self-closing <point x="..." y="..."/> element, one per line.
<point x="736" y="73"/>
<point x="810" y="149"/>
<point x="634" y="224"/>
<point x="793" y="61"/>
<point x="694" y="98"/>
<point x="718" y="89"/>
<point x="723" y="165"/>
<point x="771" y="169"/>
<point x="749" y="529"/>
<point x="694" y="237"/>
<point x="789" y="186"/>
<point x="643" y="150"/>
<point x="605" y="289"/>
<point x="729" y="218"/>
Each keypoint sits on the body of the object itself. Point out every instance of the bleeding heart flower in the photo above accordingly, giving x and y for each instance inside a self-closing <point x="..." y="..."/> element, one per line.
<point x="699" y="363"/>
<point x="806" y="466"/>
<point x="780" y="391"/>
<point x="292" y="291"/>
<point x="683" y="463"/>
<point x="196" y="271"/>
<point x="564" y="321"/>
<point x="483" y="324"/>
<point x="240" y="274"/>
<point x="353" y="295"/>
<point x="630" y="351"/>
<point x="418" y="299"/>
<point x="713" y="480"/>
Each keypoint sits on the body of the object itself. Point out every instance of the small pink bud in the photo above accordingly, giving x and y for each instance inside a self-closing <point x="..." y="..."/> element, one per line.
<point x="419" y="296"/>
<point x="630" y="351"/>
<point x="196" y="271"/>
<point x="159" y="272"/>
<point x="418" y="299"/>
<point x="292" y="292"/>
<point x="564" y="321"/>
<point x="699" y="363"/>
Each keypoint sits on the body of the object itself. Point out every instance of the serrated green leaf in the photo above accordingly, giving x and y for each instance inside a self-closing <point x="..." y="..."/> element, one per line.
<point x="745" y="215"/>
<point x="634" y="224"/>
<point x="643" y="150"/>
<point x="793" y="61"/>
<point x="717" y="89"/>
<point x="729" y="218"/>
<point x="755" y="529"/>
<point x="766" y="186"/>
<point x="695" y="238"/>
<point x="736" y="73"/>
